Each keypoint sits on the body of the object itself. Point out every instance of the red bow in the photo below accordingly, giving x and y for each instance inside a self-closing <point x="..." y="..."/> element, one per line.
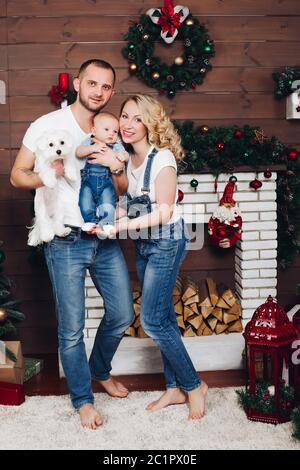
<point x="169" y="20"/>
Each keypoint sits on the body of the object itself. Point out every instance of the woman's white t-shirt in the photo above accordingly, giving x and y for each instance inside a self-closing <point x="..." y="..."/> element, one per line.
<point x="162" y="159"/>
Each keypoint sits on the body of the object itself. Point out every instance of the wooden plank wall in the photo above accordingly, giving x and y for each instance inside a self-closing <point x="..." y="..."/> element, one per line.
<point x="40" y="38"/>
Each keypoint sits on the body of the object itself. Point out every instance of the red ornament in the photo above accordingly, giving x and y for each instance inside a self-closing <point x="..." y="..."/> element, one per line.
<point x="63" y="81"/>
<point x="220" y="145"/>
<point x="180" y="195"/>
<point x="194" y="85"/>
<point x="298" y="109"/>
<point x="255" y="184"/>
<point x="169" y="20"/>
<point x="267" y="173"/>
<point x="293" y="154"/>
<point x="238" y="133"/>
<point x="57" y="94"/>
<point x="269" y="333"/>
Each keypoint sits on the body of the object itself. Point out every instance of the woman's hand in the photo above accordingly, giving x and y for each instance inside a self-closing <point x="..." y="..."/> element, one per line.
<point x="106" y="157"/>
<point x="58" y="165"/>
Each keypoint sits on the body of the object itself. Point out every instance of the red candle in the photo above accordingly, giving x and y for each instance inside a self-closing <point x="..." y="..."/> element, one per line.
<point x="63" y="80"/>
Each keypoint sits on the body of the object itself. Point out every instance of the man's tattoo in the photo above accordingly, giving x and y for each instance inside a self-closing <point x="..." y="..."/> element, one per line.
<point x="27" y="171"/>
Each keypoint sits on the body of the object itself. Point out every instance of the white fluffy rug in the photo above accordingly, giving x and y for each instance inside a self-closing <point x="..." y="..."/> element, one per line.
<point x="51" y="423"/>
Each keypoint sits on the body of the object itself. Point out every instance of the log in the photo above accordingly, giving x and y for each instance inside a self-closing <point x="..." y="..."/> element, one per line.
<point x="179" y="308"/>
<point x="200" y="329"/>
<point x="188" y="332"/>
<point x="141" y="333"/>
<point x="180" y="322"/>
<point x="204" y="300"/>
<point x="190" y="289"/>
<point x="176" y="298"/>
<point x="137" y="322"/>
<point x="192" y="300"/>
<point x="139" y="300"/>
<point x="130" y="331"/>
<point x="195" y="309"/>
<point x="137" y="309"/>
<point x="236" y="309"/>
<point x="136" y="295"/>
<point x="178" y="287"/>
<point x="235" y="327"/>
<point x="220" y="328"/>
<point x="187" y="312"/>
<point x="212" y="321"/>
<point x="217" y="312"/>
<point x="207" y="331"/>
<point x="195" y="321"/>
<point x="228" y="318"/>
<point x="229" y="297"/>
<point x="206" y="311"/>
<point x="212" y="290"/>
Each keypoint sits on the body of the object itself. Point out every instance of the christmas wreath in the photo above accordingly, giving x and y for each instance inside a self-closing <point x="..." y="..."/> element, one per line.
<point x="285" y="80"/>
<point x="169" y="23"/>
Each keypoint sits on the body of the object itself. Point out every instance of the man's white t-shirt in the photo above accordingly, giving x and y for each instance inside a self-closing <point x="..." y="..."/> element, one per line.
<point x="62" y="119"/>
<point x="162" y="159"/>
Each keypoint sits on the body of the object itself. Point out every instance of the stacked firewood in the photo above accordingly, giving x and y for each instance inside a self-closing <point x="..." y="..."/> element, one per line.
<point x="202" y="309"/>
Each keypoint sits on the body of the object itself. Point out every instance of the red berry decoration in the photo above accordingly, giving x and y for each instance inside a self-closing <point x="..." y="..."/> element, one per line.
<point x="180" y="195"/>
<point x="220" y="145"/>
<point x="293" y="154"/>
<point x="238" y="133"/>
<point x="267" y="173"/>
<point x="255" y="184"/>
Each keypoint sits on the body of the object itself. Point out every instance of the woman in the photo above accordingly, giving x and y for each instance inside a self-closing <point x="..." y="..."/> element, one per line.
<point x="145" y="127"/>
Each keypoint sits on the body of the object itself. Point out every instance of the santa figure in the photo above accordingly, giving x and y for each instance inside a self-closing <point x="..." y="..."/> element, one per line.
<point x="225" y="225"/>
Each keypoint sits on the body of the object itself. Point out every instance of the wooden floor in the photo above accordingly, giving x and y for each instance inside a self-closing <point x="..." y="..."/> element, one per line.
<point x="48" y="382"/>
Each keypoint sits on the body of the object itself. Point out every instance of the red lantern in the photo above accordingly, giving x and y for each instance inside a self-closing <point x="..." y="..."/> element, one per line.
<point x="270" y="334"/>
<point x="63" y="81"/>
<point x="296" y="358"/>
<point x="267" y="173"/>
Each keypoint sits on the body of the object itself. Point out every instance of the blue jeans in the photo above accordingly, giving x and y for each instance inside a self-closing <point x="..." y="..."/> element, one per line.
<point x="158" y="262"/>
<point x="67" y="259"/>
<point x="97" y="197"/>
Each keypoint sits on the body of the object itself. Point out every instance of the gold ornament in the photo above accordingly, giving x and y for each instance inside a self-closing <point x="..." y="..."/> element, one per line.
<point x="146" y="37"/>
<point x="178" y="60"/>
<point x="204" y="129"/>
<point x="190" y="22"/>
<point x="133" y="67"/>
<point x="203" y="70"/>
<point x="155" y="76"/>
<point x="260" y="136"/>
<point x="3" y="315"/>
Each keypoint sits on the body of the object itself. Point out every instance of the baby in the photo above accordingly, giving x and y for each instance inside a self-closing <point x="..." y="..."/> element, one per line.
<point x="97" y="198"/>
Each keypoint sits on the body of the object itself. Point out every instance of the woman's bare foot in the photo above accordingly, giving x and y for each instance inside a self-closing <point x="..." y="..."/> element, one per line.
<point x="172" y="396"/>
<point x="89" y="417"/>
<point x="114" y="388"/>
<point x="197" y="401"/>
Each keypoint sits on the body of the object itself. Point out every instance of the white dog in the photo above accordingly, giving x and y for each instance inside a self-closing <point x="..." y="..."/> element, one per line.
<point x="48" y="207"/>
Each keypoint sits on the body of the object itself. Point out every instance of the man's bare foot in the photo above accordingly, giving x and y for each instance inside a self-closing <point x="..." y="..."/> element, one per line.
<point x="114" y="388"/>
<point x="172" y="396"/>
<point x="197" y="401"/>
<point x="89" y="417"/>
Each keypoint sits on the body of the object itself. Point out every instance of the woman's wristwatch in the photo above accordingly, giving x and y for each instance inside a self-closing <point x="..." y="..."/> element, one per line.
<point x="118" y="171"/>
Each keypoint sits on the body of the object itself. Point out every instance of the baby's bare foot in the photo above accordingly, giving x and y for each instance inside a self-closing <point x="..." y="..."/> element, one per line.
<point x="197" y="401"/>
<point x="114" y="388"/>
<point x="89" y="417"/>
<point x="172" y="396"/>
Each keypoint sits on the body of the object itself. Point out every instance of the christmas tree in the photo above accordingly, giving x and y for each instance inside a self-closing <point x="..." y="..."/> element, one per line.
<point x="9" y="313"/>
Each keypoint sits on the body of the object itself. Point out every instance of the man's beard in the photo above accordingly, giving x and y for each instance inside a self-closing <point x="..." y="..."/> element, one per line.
<point x="86" y="105"/>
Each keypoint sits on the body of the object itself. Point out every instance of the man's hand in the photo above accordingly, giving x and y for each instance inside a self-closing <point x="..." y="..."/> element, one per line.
<point x="58" y="165"/>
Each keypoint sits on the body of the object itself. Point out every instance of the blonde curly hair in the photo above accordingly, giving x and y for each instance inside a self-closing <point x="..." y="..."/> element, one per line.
<point x="161" y="131"/>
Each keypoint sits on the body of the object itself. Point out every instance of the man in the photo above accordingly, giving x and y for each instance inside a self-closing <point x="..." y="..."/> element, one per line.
<point x="68" y="258"/>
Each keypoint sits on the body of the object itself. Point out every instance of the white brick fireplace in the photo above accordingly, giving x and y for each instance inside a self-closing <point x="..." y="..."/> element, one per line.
<point x="255" y="275"/>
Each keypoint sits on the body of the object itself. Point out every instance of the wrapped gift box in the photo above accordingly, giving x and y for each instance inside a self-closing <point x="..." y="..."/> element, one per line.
<point x="11" y="394"/>
<point x="10" y="371"/>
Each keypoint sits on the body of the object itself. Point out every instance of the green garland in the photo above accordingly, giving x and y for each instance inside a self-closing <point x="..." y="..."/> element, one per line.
<point x="185" y="73"/>
<point x="263" y="402"/>
<point x="224" y="149"/>
<point x="296" y="423"/>
<point x="284" y="81"/>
